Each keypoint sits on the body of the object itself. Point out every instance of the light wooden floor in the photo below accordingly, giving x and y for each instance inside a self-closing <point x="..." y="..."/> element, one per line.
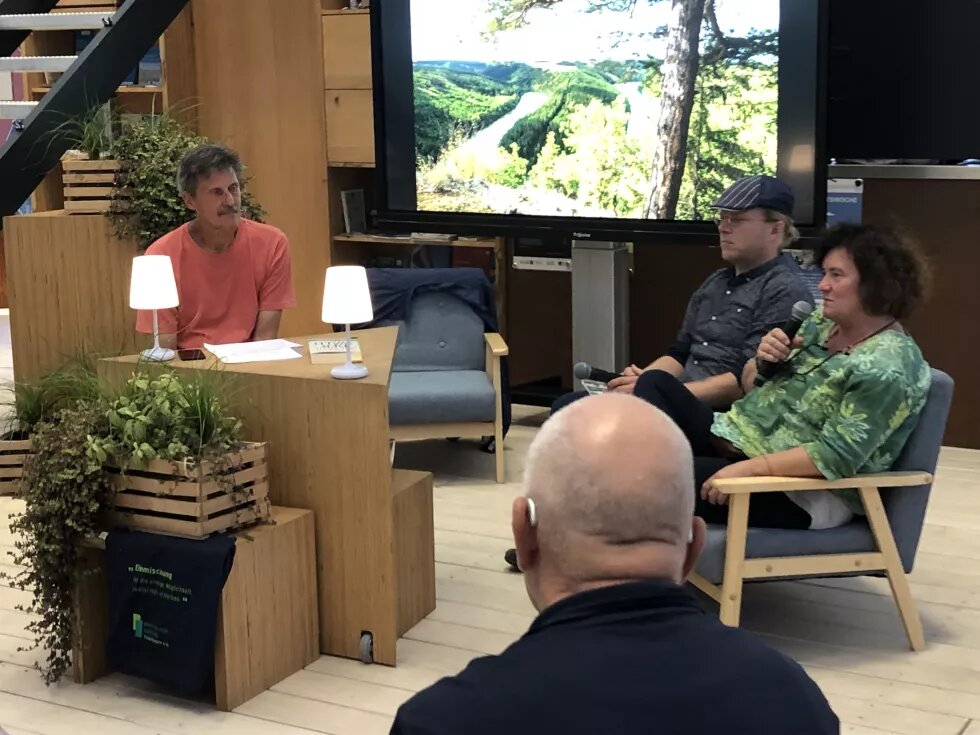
<point x="846" y="633"/>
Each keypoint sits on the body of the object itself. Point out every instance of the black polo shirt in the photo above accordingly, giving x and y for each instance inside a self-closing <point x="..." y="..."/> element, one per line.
<point x="728" y="316"/>
<point x="640" y="657"/>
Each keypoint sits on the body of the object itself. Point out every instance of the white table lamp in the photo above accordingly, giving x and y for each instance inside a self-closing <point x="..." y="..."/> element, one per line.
<point x="347" y="300"/>
<point x="153" y="287"/>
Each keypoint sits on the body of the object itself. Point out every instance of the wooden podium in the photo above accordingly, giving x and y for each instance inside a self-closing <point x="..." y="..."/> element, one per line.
<point x="328" y="452"/>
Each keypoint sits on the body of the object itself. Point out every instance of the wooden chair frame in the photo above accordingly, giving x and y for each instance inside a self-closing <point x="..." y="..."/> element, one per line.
<point x="495" y="348"/>
<point x="885" y="558"/>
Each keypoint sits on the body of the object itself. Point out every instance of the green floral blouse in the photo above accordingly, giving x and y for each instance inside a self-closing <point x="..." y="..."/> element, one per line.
<point x="852" y="413"/>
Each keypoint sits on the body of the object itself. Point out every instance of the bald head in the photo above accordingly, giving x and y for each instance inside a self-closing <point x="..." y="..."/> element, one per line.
<point x="612" y="482"/>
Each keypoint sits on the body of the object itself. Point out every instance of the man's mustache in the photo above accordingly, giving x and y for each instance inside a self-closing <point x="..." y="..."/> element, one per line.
<point x="228" y="210"/>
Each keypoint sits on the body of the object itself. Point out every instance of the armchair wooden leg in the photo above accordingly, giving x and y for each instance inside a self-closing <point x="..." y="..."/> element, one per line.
<point x="731" y="585"/>
<point x="893" y="567"/>
<point x="493" y="367"/>
<point x="498" y="436"/>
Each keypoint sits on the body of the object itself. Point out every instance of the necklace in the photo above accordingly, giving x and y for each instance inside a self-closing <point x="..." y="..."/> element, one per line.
<point x="845" y="351"/>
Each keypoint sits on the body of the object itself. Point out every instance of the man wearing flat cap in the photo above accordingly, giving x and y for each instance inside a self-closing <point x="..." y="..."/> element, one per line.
<point x="736" y="306"/>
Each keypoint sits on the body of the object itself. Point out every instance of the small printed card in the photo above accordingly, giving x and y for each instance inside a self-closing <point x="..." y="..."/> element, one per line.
<point x="334" y="351"/>
<point x="594" y="387"/>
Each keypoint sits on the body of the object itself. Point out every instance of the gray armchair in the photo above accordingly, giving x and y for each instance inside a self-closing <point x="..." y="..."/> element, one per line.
<point x="883" y="542"/>
<point x="446" y="375"/>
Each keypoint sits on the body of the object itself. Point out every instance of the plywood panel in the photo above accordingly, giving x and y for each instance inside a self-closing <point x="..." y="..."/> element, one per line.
<point x="4" y="303"/>
<point x="414" y="546"/>
<point x="347" y="51"/>
<point x="260" y="91"/>
<point x="540" y="345"/>
<point x="663" y="280"/>
<point x="350" y="126"/>
<point x="267" y="626"/>
<point x="92" y="617"/>
<point x="943" y="217"/>
<point x="180" y="68"/>
<point x="68" y="285"/>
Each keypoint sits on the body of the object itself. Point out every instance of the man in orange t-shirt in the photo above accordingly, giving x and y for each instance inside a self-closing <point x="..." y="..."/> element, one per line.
<point x="234" y="276"/>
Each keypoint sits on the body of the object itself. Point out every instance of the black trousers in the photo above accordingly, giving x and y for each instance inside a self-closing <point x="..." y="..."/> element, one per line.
<point x="567" y="399"/>
<point x="694" y="417"/>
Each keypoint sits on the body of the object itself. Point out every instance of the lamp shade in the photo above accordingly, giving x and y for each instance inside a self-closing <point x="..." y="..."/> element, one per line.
<point x="346" y="297"/>
<point x="152" y="285"/>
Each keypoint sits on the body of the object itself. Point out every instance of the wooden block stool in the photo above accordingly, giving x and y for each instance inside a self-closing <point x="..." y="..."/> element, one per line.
<point x="267" y="621"/>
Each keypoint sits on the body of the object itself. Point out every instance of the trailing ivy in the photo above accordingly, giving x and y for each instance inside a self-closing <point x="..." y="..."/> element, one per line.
<point x="65" y="490"/>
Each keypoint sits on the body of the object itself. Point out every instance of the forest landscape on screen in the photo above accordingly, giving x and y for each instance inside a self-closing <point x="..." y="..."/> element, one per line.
<point x="590" y="112"/>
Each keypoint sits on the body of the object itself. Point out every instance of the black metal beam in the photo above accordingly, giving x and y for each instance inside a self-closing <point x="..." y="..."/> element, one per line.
<point x="90" y="81"/>
<point x="10" y="41"/>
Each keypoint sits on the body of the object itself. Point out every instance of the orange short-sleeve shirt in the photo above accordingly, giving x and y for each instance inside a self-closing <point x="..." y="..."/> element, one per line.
<point x="221" y="294"/>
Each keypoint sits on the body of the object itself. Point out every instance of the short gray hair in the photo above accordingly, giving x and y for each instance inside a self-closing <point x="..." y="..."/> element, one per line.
<point x="203" y="161"/>
<point x="579" y="493"/>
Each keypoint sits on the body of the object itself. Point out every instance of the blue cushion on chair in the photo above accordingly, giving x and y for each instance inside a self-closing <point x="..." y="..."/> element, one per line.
<point x="442" y="333"/>
<point x="429" y="397"/>
<point x="853" y="538"/>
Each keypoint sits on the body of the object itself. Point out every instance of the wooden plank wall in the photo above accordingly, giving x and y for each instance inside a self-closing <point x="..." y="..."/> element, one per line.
<point x="260" y="84"/>
<point x="68" y="286"/>
<point x="944" y="219"/>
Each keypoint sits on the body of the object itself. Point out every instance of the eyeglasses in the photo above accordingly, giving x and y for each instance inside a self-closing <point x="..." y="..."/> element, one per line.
<point x="735" y="221"/>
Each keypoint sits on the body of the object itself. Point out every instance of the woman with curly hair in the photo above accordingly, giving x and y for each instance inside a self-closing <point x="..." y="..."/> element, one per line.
<point x="847" y="395"/>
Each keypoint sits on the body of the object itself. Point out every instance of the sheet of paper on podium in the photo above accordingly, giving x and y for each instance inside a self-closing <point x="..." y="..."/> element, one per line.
<point x="263" y="351"/>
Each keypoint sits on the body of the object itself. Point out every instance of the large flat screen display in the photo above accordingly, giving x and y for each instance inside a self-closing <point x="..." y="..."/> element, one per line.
<point x="611" y="119"/>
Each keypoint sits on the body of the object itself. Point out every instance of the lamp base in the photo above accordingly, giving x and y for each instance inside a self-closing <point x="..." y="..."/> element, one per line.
<point x="158" y="354"/>
<point x="349" y="372"/>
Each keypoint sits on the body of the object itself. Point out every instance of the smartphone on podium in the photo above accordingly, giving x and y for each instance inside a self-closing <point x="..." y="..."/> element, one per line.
<point x="187" y="355"/>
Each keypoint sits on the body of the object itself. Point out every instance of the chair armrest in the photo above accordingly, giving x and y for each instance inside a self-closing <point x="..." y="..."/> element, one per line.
<point x="748" y="485"/>
<point x="498" y="348"/>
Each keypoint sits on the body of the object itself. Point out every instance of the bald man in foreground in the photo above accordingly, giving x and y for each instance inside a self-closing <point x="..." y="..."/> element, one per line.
<point x="606" y="536"/>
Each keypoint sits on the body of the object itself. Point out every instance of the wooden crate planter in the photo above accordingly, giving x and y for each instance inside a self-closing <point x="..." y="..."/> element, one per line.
<point x="192" y="501"/>
<point x="13" y="453"/>
<point x="91" y="186"/>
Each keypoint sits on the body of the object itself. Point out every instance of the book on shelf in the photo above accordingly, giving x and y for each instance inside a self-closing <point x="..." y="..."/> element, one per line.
<point x="334" y="351"/>
<point x="432" y="238"/>
<point x="355" y="212"/>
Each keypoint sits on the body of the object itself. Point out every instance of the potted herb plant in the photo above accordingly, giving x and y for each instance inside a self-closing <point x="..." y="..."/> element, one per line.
<point x="92" y="178"/>
<point x="33" y="403"/>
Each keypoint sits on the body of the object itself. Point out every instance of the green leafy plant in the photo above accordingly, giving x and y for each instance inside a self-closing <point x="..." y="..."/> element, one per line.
<point x="41" y="400"/>
<point x="150" y="151"/>
<point x="168" y="417"/>
<point x="90" y="132"/>
<point x="65" y="489"/>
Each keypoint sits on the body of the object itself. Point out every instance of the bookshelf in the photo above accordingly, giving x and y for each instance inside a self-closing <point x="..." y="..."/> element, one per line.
<point x="455" y="242"/>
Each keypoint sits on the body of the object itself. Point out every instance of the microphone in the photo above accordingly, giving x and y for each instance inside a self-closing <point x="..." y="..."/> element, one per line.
<point x="584" y="371"/>
<point x="801" y="310"/>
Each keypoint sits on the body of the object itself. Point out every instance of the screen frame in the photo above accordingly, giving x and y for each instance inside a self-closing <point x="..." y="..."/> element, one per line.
<point x="392" y="66"/>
